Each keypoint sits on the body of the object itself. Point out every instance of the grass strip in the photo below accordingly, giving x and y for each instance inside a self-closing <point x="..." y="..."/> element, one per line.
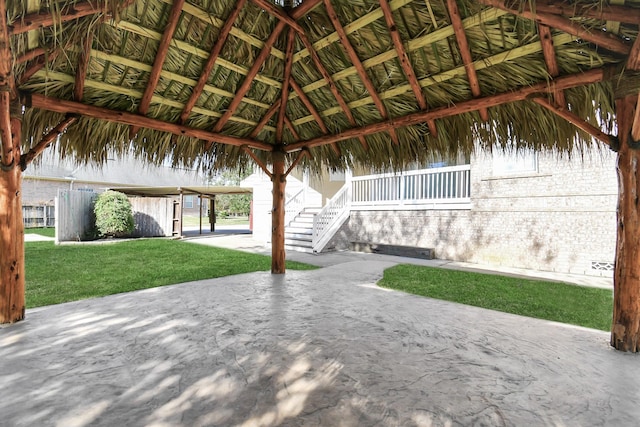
<point x="560" y="302"/>
<point x="43" y="231"/>
<point x="57" y="274"/>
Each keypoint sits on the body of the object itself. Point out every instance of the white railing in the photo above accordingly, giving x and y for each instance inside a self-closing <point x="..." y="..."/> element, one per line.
<point x="439" y="188"/>
<point x="293" y="206"/>
<point x="327" y="222"/>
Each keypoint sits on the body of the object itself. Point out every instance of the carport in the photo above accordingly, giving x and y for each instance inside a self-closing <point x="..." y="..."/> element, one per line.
<point x="178" y="193"/>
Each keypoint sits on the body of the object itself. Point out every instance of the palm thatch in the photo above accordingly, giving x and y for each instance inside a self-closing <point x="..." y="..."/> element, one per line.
<point x="505" y="46"/>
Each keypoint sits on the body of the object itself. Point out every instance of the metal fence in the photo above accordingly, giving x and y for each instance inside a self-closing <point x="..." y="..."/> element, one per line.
<point x="38" y="216"/>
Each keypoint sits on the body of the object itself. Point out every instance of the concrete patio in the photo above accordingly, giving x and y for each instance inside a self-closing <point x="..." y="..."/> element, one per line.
<point x="323" y="347"/>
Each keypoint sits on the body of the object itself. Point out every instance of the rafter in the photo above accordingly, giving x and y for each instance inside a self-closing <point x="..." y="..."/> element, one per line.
<point x="33" y="21"/>
<point x="550" y="59"/>
<point x="293" y="131"/>
<point x="39" y="65"/>
<point x="561" y="83"/>
<point x="284" y="95"/>
<point x="31" y="54"/>
<point x="265" y="119"/>
<point x="46" y="140"/>
<point x="576" y="121"/>
<point x="633" y="63"/>
<point x="603" y="39"/>
<point x="307" y="103"/>
<point x="602" y="11"/>
<point x="465" y="53"/>
<point x="305" y="7"/>
<point x="259" y="162"/>
<point x="315" y="58"/>
<point x="36" y="100"/>
<point x="208" y="66"/>
<point x="158" y="62"/>
<point x="83" y="63"/>
<point x="355" y="60"/>
<point x="246" y="84"/>
<point x="279" y="13"/>
<point x="405" y="62"/>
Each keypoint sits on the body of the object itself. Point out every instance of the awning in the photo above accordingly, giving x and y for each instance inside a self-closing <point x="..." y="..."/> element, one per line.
<point x="176" y="191"/>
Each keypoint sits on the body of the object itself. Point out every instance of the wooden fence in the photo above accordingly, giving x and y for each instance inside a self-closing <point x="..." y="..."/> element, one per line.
<point x="74" y="215"/>
<point x="153" y="216"/>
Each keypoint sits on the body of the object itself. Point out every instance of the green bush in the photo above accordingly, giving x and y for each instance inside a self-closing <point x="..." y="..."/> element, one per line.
<point x="114" y="217"/>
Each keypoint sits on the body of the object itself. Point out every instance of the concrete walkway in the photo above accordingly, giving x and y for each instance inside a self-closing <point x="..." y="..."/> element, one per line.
<point x="318" y="348"/>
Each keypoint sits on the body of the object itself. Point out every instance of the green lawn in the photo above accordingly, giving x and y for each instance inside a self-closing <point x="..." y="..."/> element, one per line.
<point x="56" y="274"/>
<point x="43" y="231"/>
<point x="560" y="302"/>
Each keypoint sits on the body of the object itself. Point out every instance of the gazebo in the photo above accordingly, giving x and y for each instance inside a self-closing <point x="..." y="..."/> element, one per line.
<point x="320" y="84"/>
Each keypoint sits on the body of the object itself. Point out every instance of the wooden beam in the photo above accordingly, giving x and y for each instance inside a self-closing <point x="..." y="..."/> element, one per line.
<point x="315" y="58"/>
<point x="465" y="53"/>
<point x="291" y="128"/>
<point x="633" y="63"/>
<point x="37" y="100"/>
<point x="213" y="56"/>
<point x="259" y="162"/>
<point x="279" y="13"/>
<point x="561" y="83"/>
<point x="39" y="65"/>
<point x="83" y="64"/>
<point x="301" y="154"/>
<point x="284" y="95"/>
<point x="601" y="11"/>
<point x="248" y="80"/>
<point x="46" y="140"/>
<point x="550" y="59"/>
<point x="305" y="7"/>
<point x="405" y="63"/>
<point x="34" y="21"/>
<point x="265" y="119"/>
<point x="158" y="62"/>
<point x="577" y="121"/>
<point x="355" y="60"/>
<point x="31" y="54"/>
<point x="307" y="102"/>
<point x="7" y="89"/>
<point x="603" y="39"/>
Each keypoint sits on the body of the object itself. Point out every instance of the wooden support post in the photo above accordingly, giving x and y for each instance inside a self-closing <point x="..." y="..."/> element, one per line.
<point x="625" y="331"/>
<point x="279" y="180"/>
<point x="12" y="284"/>
<point x="200" y="206"/>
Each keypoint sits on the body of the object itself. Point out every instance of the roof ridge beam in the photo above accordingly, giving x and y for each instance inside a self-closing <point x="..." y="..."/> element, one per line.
<point x="158" y="62"/>
<point x="603" y="39"/>
<point x="355" y="60"/>
<point x="36" y="100"/>
<point x="279" y="13"/>
<point x="208" y="67"/>
<point x="561" y="83"/>
<point x="246" y="84"/>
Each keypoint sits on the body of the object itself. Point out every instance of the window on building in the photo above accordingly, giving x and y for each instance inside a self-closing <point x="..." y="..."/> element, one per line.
<point x="188" y="202"/>
<point x="514" y="163"/>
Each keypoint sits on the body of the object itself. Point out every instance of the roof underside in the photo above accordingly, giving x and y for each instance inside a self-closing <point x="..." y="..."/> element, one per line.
<point x="381" y="83"/>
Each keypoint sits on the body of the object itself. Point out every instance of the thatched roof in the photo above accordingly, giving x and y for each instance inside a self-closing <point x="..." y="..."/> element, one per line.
<point x="380" y="83"/>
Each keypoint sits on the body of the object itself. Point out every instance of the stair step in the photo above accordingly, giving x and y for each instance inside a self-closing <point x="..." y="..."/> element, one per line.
<point x="304" y="219"/>
<point x="298" y="249"/>
<point x="301" y="243"/>
<point x="312" y="211"/>
<point x="298" y="236"/>
<point x="298" y="230"/>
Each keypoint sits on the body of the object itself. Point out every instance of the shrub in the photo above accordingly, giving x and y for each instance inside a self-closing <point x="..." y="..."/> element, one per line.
<point x="113" y="215"/>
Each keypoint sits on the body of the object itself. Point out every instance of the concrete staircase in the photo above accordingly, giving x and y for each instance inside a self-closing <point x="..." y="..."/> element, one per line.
<point x="298" y="235"/>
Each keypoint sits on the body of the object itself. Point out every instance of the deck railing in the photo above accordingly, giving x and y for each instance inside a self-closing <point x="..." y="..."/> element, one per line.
<point x="438" y="188"/>
<point x="293" y="206"/>
<point x="327" y="222"/>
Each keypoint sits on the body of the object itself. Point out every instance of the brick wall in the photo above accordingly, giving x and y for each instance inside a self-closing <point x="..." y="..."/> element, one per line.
<point x="560" y="217"/>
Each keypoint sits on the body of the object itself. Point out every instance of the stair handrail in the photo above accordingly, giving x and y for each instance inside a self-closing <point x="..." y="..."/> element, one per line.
<point x="293" y="206"/>
<point x="327" y="222"/>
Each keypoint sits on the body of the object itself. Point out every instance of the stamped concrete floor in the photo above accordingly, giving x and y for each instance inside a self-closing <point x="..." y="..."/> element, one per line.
<point x="317" y="348"/>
